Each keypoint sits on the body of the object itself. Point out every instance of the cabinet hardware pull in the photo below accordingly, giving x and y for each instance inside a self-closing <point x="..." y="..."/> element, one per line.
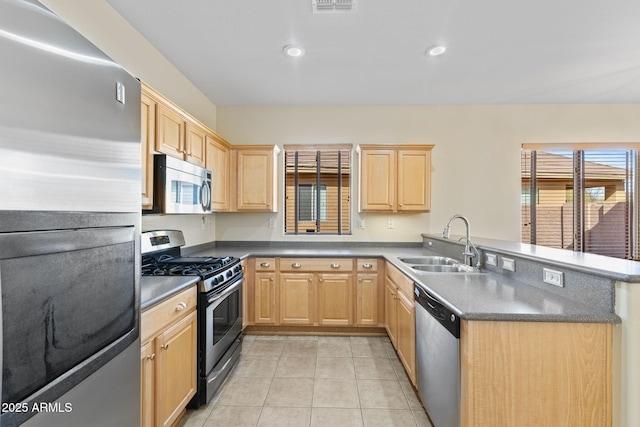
<point x="265" y="264"/>
<point x="271" y="279"/>
<point x="181" y="306"/>
<point x="152" y="356"/>
<point x="309" y="280"/>
<point x="164" y="346"/>
<point x="367" y="265"/>
<point x="296" y="265"/>
<point x="359" y="280"/>
<point x="335" y="265"/>
<point x="322" y="280"/>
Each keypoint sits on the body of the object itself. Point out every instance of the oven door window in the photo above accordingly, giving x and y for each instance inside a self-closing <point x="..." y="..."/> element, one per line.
<point x="66" y="297"/>
<point x="225" y="315"/>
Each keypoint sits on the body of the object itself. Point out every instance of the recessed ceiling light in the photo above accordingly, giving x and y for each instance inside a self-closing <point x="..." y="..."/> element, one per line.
<point x="293" y="51"/>
<point x="436" y="50"/>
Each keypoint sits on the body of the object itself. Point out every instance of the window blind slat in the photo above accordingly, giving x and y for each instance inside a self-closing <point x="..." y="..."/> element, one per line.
<point x="581" y="200"/>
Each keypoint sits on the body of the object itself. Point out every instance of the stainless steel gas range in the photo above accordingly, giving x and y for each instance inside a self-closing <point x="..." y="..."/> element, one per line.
<point x="219" y="304"/>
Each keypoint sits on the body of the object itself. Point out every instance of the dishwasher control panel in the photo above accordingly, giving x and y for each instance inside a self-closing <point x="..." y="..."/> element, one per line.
<point x="438" y="310"/>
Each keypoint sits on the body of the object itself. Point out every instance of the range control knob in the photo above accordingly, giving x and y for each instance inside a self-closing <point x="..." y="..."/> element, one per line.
<point x="453" y="317"/>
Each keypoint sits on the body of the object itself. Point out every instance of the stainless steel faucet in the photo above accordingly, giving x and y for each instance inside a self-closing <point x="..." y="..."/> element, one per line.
<point x="468" y="245"/>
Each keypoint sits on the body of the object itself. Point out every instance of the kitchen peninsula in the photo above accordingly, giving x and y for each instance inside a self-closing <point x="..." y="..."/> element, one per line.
<point x="493" y="298"/>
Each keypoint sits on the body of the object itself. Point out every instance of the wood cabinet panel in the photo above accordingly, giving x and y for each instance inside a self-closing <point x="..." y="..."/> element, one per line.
<point x="547" y="374"/>
<point x="316" y="264"/>
<point x="176" y="369"/>
<point x="395" y="178"/>
<point x="414" y="180"/>
<point x="400" y="318"/>
<point x="168" y="358"/>
<point x="147" y="146"/>
<point x="218" y="160"/>
<point x="367" y="299"/>
<point x="256" y="172"/>
<point x="195" y="144"/>
<point x="377" y="182"/>
<point x="169" y="132"/>
<point x="266" y="298"/>
<point x="335" y="299"/>
<point x="156" y="318"/>
<point x="297" y="300"/>
<point x="147" y="385"/>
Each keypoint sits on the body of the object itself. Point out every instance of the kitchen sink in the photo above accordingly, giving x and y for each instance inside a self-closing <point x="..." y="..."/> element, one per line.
<point x="436" y="264"/>
<point x="430" y="260"/>
<point x="457" y="268"/>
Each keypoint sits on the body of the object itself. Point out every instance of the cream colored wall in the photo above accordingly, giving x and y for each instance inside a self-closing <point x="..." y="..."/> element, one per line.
<point x="99" y="23"/>
<point x="476" y="159"/>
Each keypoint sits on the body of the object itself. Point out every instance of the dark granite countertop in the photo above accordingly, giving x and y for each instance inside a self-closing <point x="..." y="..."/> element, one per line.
<point x="154" y="289"/>
<point x="473" y="296"/>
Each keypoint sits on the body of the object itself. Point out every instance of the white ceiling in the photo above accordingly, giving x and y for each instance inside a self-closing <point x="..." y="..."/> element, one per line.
<point x="499" y="51"/>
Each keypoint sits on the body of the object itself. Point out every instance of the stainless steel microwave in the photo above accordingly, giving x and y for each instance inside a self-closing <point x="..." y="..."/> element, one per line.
<point x="180" y="187"/>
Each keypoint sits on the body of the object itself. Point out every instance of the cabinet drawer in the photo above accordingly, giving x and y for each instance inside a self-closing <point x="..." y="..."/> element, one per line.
<point x="367" y="265"/>
<point x="163" y="314"/>
<point x="316" y="264"/>
<point x="265" y="264"/>
<point x="402" y="282"/>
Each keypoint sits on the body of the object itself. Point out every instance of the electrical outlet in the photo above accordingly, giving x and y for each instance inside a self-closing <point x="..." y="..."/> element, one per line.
<point x="204" y="222"/>
<point x="508" y="264"/>
<point x="390" y="223"/>
<point x="272" y="223"/>
<point x="492" y="259"/>
<point x="361" y="224"/>
<point x="553" y="277"/>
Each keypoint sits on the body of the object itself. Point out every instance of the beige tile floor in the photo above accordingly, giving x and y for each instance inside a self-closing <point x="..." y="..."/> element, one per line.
<point x="314" y="381"/>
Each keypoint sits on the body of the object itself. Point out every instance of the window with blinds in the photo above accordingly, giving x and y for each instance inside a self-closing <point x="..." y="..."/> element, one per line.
<point x="581" y="198"/>
<point x="317" y="189"/>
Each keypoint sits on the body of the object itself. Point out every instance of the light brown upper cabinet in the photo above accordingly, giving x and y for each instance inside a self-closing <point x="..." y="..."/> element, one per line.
<point x="218" y="160"/>
<point x="175" y="133"/>
<point x="147" y="144"/>
<point x="256" y="167"/>
<point x="395" y="178"/>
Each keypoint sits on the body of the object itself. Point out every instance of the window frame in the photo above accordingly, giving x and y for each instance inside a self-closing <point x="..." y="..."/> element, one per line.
<point x="581" y="156"/>
<point x="341" y="203"/>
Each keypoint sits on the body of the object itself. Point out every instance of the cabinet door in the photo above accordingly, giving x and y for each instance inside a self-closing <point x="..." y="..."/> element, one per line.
<point x="378" y="180"/>
<point x="414" y="180"/>
<point x="147" y="385"/>
<point x="296" y="299"/>
<point x="195" y="144"/>
<point x="218" y="158"/>
<point x="335" y="299"/>
<point x="169" y="132"/>
<point x="147" y="145"/>
<point x="390" y="292"/>
<point x="367" y="300"/>
<point x="265" y="298"/>
<point x="255" y="189"/>
<point x="176" y="370"/>
<point x="406" y="334"/>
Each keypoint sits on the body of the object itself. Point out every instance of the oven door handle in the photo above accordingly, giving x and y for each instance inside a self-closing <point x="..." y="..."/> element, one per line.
<point x="231" y="289"/>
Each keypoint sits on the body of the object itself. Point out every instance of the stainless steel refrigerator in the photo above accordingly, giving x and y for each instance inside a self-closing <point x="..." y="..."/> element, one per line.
<point x="69" y="227"/>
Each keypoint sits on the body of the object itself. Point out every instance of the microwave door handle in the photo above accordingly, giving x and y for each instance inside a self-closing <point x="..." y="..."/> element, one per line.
<point x="204" y="195"/>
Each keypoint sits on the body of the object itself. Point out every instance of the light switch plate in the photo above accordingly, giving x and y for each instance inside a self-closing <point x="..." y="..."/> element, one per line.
<point x="508" y="264"/>
<point x="553" y="277"/>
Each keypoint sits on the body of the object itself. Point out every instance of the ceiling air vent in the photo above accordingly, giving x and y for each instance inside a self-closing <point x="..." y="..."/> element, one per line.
<point x="322" y="6"/>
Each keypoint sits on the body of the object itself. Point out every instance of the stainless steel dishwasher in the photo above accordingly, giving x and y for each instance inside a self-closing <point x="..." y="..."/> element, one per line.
<point x="438" y="357"/>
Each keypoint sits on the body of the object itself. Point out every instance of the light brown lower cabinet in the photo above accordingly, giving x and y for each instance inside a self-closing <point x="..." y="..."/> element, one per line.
<point x="400" y="317"/>
<point x="332" y="292"/>
<point x="168" y="359"/>
<point x="535" y="374"/>
<point x="297" y="301"/>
